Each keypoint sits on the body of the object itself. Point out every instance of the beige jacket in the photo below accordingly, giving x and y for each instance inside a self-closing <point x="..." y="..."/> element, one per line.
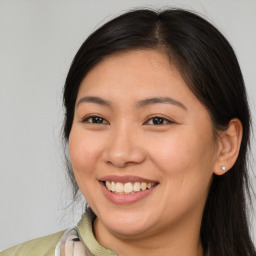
<point x="77" y="241"/>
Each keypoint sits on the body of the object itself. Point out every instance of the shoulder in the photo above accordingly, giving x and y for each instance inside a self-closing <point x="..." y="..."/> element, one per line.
<point x="43" y="246"/>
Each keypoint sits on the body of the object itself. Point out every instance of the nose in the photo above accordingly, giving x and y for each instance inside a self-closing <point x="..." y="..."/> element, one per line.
<point x="124" y="147"/>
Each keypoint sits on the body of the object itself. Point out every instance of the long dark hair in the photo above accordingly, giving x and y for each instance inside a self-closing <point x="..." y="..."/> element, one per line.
<point x="210" y="68"/>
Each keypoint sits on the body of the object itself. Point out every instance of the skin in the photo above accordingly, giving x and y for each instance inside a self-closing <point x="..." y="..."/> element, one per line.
<point x="180" y="153"/>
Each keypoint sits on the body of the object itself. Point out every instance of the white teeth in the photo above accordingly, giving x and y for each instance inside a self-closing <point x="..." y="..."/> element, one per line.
<point x="113" y="186"/>
<point x="143" y="186"/>
<point x="108" y="185"/>
<point x="136" y="186"/>
<point x="119" y="187"/>
<point x="128" y="188"/>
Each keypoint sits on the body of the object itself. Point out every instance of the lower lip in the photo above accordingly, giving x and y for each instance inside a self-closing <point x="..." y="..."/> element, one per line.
<point x="126" y="198"/>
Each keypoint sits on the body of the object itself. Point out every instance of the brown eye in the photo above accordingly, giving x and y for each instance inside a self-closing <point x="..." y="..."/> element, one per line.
<point x="158" y="121"/>
<point x="95" y="120"/>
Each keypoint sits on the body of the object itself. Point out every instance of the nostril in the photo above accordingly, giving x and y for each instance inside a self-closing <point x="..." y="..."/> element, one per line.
<point x="122" y="160"/>
<point x="123" y="149"/>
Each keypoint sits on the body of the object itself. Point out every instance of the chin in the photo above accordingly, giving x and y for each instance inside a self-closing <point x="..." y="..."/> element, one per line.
<point x="128" y="225"/>
<point x="128" y="230"/>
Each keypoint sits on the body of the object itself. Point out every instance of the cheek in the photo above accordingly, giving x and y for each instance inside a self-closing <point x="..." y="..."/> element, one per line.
<point x="177" y="153"/>
<point x="186" y="161"/>
<point x="186" y="168"/>
<point x="83" y="152"/>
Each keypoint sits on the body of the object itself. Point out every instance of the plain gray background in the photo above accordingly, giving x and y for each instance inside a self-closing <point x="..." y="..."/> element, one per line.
<point x="38" y="40"/>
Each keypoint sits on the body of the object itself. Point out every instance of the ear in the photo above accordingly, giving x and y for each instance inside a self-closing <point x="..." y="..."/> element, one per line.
<point x="228" y="146"/>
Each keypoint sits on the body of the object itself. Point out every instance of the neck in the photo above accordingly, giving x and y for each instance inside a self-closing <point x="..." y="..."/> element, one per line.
<point x="182" y="240"/>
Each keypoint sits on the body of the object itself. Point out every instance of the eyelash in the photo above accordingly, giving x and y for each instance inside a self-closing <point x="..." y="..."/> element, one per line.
<point x="86" y="120"/>
<point x="100" y="120"/>
<point x="160" y="120"/>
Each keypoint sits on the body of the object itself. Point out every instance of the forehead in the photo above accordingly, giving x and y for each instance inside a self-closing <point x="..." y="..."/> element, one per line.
<point x="142" y="70"/>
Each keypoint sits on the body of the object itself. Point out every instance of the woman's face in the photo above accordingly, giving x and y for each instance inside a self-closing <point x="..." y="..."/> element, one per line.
<point x="141" y="132"/>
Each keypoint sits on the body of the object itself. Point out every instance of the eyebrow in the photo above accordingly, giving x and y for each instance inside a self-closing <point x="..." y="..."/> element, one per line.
<point x="139" y="104"/>
<point x="93" y="99"/>
<point x="164" y="100"/>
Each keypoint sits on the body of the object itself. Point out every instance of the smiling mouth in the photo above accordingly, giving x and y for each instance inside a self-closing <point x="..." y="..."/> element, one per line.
<point x="129" y="187"/>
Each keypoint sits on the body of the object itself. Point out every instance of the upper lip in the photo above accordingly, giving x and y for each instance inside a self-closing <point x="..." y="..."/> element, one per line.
<point x="127" y="178"/>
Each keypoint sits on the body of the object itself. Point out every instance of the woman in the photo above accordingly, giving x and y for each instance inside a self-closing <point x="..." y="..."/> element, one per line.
<point x="158" y="126"/>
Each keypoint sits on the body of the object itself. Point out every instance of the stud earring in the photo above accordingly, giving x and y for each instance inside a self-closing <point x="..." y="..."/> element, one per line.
<point x="223" y="168"/>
